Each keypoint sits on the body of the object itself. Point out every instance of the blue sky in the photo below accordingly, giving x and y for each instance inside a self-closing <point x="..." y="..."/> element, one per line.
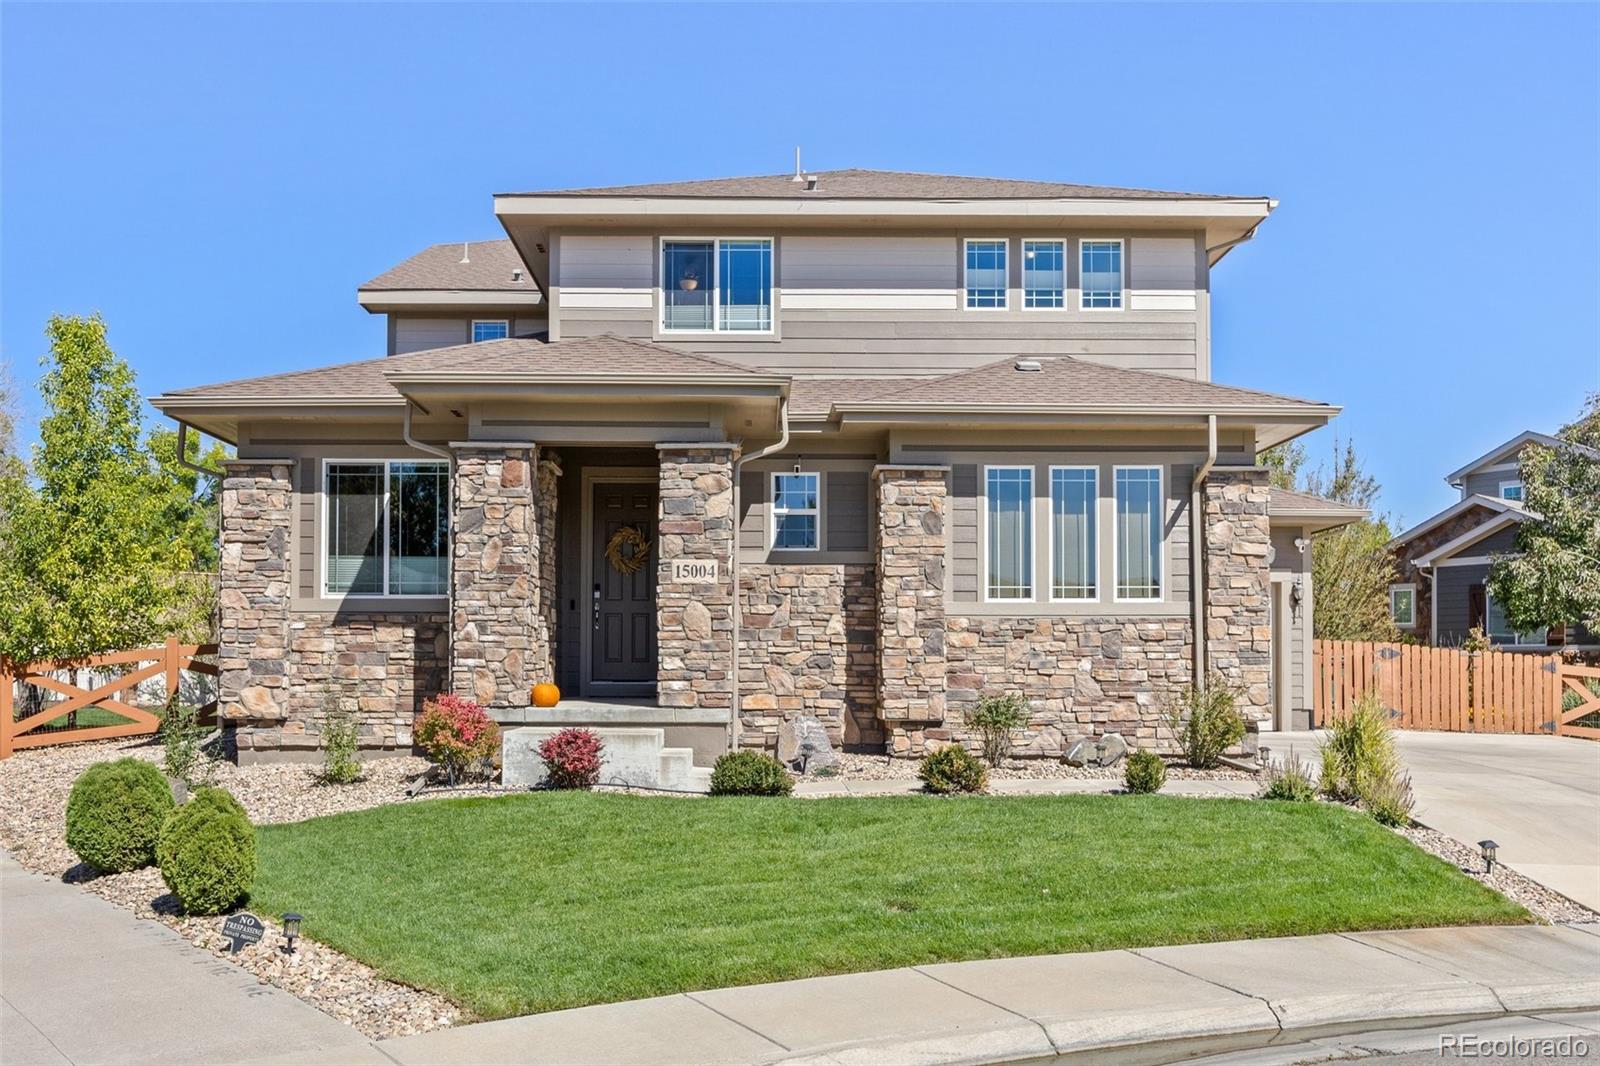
<point x="217" y="180"/>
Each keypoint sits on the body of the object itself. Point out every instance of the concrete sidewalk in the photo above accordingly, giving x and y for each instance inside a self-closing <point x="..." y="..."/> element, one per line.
<point x="1153" y="1005"/>
<point x="84" y="981"/>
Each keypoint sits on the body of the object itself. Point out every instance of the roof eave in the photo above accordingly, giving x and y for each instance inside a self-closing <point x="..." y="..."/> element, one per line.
<point x="1293" y="413"/>
<point x="375" y="299"/>
<point x="550" y="205"/>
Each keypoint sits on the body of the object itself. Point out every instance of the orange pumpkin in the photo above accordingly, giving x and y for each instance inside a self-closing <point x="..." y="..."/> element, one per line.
<point x="546" y="694"/>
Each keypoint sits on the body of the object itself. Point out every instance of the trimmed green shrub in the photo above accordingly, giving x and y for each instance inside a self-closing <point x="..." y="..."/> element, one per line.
<point x="207" y="853"/>
<point x="1144" y="772"/>
<point x="994" y="718"/>
<point x="749" y="773"/>
<point x="340" y="735"/>
<point x="115" y="812"/>
<point x="953" y="769"/>
<point x="1206" y="722"/>
<point x="1288" y="781"/>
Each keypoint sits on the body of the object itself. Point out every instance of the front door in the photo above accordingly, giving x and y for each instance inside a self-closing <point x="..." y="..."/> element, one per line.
<point x="622" y="638"/>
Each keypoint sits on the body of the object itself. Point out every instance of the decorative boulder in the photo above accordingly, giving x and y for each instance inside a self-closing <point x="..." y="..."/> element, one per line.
<point x="1081" y="752"/>
<point x="1110" y="750"/>
<point x="803" y="745"/>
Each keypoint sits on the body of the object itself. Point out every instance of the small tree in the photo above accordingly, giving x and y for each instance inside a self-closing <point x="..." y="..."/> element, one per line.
<point x="1554" y="576"/>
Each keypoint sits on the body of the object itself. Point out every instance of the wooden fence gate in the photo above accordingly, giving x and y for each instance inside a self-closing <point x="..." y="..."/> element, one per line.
<point x="100" y="712"/>
<point x="1447" y="689"/>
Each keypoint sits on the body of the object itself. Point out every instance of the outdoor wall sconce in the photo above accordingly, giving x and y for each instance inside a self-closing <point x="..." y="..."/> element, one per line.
<point x="1488" y="848"/>
<point x="291" y="929"/>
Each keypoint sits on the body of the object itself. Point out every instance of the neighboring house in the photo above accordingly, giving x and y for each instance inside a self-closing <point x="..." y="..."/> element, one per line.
<point x="864" y="445"/>
<point x="1443" y="562"/>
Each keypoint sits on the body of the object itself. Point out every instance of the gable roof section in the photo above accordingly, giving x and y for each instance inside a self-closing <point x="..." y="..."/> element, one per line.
<point x="1470" y="537"/>
<point x="491" y="266"/>
<point x="856" y="184"/>
<point x="1491" y="504"/>
<point x="1512" y="448"/>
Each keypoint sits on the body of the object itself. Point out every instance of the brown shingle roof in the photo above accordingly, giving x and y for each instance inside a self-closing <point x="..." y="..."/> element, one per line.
<point x="815" y="397"/>
<point x="490" y="267"/>
<point x="880" y="185"/>
<point x="1065" y="380"/>
<point x="1283" y="501"/>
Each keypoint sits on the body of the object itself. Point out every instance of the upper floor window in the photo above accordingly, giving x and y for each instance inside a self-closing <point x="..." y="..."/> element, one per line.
<point x="716" y="285"/>
<point x="1511" y="490"/>
<point x="1009" y="532"/>
<point x="388" y="529"/>
<point x="1044" y="273"/>
<point x="1073" y="497"/>
<point x="490" y="329"/>
<point x="795" y="510"/>
<point x="1403" y="606"/>
<point x="1100" y="274"/>
<point x="1138" y="532"/>
<point x="985" y="273"/>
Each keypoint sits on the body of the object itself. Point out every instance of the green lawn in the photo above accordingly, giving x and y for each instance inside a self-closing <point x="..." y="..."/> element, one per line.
<point x="540" y="901"/>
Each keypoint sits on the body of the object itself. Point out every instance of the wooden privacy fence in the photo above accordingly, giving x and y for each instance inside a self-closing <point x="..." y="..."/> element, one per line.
<point x="1584" y="681"/>
<point x="94" y="713"/>
<point x="1445" y="688"/>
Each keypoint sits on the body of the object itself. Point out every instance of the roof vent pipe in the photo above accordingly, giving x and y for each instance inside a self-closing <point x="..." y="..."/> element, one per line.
<point x="799" y="176"/>
<point x="466" y="256"/>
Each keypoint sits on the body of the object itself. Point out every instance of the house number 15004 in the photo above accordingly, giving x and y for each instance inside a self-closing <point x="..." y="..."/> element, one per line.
<point x="690" y="571"/>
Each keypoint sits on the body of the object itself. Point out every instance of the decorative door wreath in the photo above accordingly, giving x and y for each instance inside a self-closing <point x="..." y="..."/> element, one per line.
<point x="627" y="550"/>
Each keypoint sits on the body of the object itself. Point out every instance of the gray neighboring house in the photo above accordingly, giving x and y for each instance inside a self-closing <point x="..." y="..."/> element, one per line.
<point x="712" y="455"/>
<point x="1444" y="560"/>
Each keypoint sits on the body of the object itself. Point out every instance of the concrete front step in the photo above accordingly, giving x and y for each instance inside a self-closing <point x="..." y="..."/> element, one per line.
<point x="630" y="755"/>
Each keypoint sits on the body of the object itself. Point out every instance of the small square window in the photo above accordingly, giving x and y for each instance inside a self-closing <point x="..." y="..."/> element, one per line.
<point x="796" y="500"/>
<point x="490" y="329"/>
<point x="1403" y="606"/>
<point x="1511" y="490"/>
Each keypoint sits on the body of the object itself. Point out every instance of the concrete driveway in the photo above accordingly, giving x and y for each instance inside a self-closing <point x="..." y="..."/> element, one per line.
<point x="1538" y="797"/>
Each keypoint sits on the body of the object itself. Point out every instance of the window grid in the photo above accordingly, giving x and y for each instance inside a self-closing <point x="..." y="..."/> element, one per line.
<point x="1009" y="532"/>
<point x="796" y="511"/>
<point x="1140" y="517"/>
<point x="1511" y="490"/>
<point x="1044" y="274"/>
<point x="1403" y="606"/>
<point x="400" y="547"/>
<point x="488" y="329"/>
<point x="1100" y="274"/>
<point x="712" y="285"/>
<point x="1499" y="630"/>
<point x="1074" y="497"/>
<point x="985" y="276"/>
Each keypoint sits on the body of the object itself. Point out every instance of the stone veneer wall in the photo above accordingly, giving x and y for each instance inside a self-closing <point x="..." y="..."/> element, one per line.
<point x="254" y="581"/>
<point x="808" y="645"/>
<point x="911" y="613"/>
<point x="547" y="498"/>
<point x="500" y="647"/>
<point x="1239" y="585"/>
<point x="694" y="635"/>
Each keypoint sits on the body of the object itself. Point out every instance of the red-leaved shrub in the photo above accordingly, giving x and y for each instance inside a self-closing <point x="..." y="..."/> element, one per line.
<point x="572" y="758"/>
<point x="455" y="732"/>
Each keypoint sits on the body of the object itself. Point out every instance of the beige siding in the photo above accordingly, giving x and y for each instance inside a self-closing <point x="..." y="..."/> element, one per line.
<point x="892" y="304"/>
<point x="416" y="333"/>
<point x="846" y="519"/>
<point x="1287" y="561"/>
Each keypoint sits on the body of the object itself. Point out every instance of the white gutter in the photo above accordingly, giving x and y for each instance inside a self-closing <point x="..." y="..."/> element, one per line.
<point x="733" y="559"/>
<point x="405" y="433"/>
<point x="1197" y="551"/>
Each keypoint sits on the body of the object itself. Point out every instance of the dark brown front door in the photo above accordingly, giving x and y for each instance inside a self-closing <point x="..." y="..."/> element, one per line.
<point x="622" y="638"/>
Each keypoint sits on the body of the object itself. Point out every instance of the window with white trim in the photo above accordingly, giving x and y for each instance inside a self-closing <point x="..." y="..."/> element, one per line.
<point x="796" y="512"/>
<point x="1044" y="273"/>
<point x="1511" y="490"/>
<point x="1100" y="274"/>
<point x="1499" y="631"/>
<point x="717" y="285"/>
<point x="1008" y="532"/>
<point x="388" y="529"/>
<point x="490" y="329"/>
<point x="1073" y="497"/>
<point x="1138" y="532"/>
<point x="985" y="273"/>
<point x="1403" y="606"/>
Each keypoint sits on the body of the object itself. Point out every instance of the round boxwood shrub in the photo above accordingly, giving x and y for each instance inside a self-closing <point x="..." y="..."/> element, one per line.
<point x="749" y="773"/>
<point x="207" y="852"/>
<point x="115" y="812"/>
<point x="1145" y="772"/>
<point x="953" y="769"/>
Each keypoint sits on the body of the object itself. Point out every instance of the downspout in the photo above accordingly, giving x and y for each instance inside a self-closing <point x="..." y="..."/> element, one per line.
<point x="738" y="608"/>
<point x="405" y="433"/>
<point x="183" y="453"/>
<point x="1197" y="551"/>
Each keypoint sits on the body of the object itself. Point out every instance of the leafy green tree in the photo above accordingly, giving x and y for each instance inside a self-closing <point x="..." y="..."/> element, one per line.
<point x="1351" y="567"/>
<point x="1554" y="576"/>
<point x="97" y="536"/>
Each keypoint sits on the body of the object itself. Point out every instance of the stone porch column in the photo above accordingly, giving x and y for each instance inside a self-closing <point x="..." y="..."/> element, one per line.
<point x="254" y="588"/>
<point x="911" y="582"/>
<point x="499" y="644"/>
<point x="694" y="619"/>
<point x="547" y="485"/>
<point x="1239" y="584"/>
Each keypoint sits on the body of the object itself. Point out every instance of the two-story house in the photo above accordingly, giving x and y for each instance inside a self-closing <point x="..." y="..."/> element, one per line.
<point x="863" y="445"/>
<point x="1441" y="594"/>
